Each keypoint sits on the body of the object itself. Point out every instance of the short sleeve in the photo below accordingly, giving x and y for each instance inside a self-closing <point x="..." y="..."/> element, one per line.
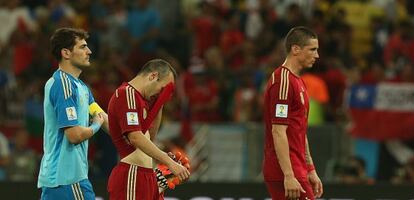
<point x="91" y="99"/>
<point x="280" y="102"/>
<point x="63" y="98"/>
<point x="129" y="111"/>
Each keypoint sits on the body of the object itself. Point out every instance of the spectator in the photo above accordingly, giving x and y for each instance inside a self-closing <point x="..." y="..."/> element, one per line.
<point x="23" y="160"/>
<point x="143" y="26"/>
<point x="352" y="171"/>
<point x="405" y="174"/>
<point x="4" y="156"/>
<point x="206" y="28"/>
<point x="202" y="95"/>
<point x="318" y="98"/>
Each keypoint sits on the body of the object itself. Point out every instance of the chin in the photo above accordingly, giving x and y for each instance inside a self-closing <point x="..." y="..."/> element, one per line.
<point x="84" y="66"/>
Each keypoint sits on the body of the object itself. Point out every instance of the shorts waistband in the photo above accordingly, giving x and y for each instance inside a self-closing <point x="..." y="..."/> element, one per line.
<point x="141" y="169"/>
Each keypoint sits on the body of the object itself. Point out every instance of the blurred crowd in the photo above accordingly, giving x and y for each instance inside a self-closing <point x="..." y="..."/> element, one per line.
<point x="224" y="51"/>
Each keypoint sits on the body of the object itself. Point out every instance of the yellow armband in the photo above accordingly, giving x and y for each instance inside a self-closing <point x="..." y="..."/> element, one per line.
<point x="94" y="108"/>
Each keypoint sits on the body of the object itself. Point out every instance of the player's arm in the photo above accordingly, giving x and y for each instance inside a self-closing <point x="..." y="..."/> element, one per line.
<point x="309" y="161"/>
<point x="155" y="125"/>
<point x="292" y="186"/>
<point x="138" y="140"/>
<point x="62" y="97"/>
<point x="282" y="149"/>
<point x="78" y="134"/>
<point x="313" y="177"/>
<point x="94" y="109"/>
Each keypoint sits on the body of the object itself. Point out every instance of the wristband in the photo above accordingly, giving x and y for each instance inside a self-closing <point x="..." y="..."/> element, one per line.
<point x="95" y="127"/>
<point x="310" y="167"/>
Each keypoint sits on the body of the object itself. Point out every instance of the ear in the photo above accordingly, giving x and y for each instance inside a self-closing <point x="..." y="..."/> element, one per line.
<point x="295" y="49"/>
<point x="65" y="53"/>
<point x="153" y="75"/>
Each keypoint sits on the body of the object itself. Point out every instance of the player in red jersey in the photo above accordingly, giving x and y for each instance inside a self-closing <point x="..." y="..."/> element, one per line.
<point x="132" y="131"/>
<point x="288" y="168"/>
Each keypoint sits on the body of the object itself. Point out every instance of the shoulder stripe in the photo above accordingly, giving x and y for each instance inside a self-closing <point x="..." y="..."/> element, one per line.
<point x="287" y="84"/>
<point x="127" y="97"/>
<point x="65" y="85"/>
<point x="282" y="81"/>
<point x="273" y="78"/>
<point x="284" y="84"/>
<point x="69" y="84"/>
<point x="130" y="96"/>
<point x="116" y="93"/>
<point x="134" y="105"/>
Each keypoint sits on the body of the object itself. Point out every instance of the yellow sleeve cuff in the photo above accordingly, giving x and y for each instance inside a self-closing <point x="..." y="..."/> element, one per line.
<point x="94" y="108"/>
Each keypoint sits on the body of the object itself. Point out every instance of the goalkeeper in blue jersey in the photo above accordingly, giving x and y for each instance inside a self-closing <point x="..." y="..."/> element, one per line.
<point x="68" y="104"/>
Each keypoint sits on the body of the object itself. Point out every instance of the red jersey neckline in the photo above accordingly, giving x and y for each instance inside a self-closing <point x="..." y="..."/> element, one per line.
<point x="135" y="90"/>
<point x="290" y="71"/>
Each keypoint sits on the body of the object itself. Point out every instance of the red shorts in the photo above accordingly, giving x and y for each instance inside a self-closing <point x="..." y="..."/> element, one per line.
<point x="277" y="190"/>
<point x="131" y="182"/>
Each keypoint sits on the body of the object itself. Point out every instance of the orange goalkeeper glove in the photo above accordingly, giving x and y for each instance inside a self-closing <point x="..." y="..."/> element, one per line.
<point x="165" y="178"/>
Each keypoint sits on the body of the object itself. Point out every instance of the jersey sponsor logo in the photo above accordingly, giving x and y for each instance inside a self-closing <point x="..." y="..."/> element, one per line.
<point x="281" y="110"/>
<point x="71" y="113"/>
<point x="132" y="118"/>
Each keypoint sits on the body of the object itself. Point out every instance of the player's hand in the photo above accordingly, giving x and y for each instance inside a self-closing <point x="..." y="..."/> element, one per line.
<point x="292" y="188"/>
<point x="316" y="183"/>
<point x="181" y="159"/>
<point x="98" y="118"/>
<point x="178" y="170"/>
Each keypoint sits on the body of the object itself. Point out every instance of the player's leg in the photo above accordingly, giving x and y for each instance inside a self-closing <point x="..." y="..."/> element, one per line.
<point x="87" y="190"/>
<point x="146" y="184"/>
<point x="118" y="182"/>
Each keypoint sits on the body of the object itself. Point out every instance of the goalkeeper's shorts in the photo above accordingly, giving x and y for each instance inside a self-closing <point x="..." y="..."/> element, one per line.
<point x="131" y="182"/>
<point x="80" y="190"/>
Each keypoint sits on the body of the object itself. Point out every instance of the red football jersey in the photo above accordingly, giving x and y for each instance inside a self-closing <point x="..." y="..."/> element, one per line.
<point x="286" y="102"/>
<point x="127" y="110"/>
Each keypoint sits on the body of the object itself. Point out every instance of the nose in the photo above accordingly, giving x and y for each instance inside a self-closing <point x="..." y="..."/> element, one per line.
<point x="317" y="55"/>
<point x="89" y="52"/>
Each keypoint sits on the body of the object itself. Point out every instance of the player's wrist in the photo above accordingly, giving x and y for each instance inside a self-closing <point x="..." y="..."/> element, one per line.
<point x="95" y="126"/>
<point x="289" y="175"/>
<point x="310" y="167"/>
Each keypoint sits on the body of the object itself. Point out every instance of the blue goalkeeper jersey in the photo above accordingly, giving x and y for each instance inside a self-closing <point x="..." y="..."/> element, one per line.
<point x="66" y="104"/>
